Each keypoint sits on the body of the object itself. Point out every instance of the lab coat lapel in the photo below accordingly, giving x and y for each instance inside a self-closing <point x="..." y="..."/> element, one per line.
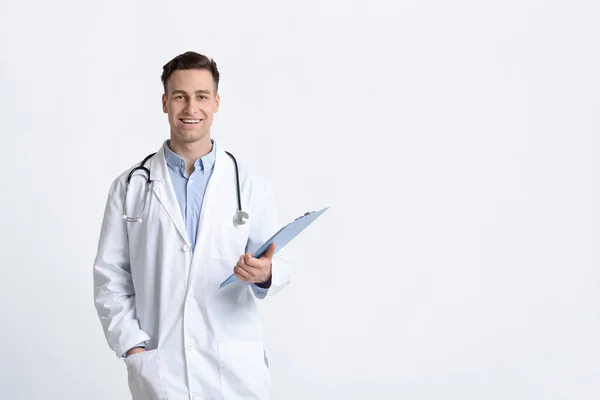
<point x="163" y="189"/>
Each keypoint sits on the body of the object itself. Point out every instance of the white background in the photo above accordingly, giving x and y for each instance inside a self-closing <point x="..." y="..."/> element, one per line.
<point x="456" y="143"/>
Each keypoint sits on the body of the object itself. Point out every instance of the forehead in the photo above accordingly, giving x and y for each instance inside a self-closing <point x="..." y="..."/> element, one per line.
<point x="191" y="80"/>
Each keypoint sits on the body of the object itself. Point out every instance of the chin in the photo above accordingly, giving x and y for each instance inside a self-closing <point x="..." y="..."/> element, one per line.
<point x="190" y="137"/>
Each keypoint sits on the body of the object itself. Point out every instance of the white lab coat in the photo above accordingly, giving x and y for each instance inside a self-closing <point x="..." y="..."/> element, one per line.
<point x="203" y="342"/>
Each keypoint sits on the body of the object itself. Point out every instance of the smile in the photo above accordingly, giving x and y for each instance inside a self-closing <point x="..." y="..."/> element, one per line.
<point x="190" y="121"/>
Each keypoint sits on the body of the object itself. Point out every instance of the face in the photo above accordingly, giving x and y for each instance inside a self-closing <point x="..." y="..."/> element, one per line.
<point x="190" y="102"/>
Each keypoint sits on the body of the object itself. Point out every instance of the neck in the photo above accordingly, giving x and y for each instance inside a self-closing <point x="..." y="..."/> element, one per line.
<point x="191" y="151"/>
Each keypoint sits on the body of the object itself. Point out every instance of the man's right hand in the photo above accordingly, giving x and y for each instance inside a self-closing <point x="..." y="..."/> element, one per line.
<point x="135" y="350"/>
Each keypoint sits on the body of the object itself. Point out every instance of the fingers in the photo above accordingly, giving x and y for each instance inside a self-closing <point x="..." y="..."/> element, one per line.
<point x="263" y="261"/>
<point x="241" y="274"/>
<point x="270" y="251"/>
<point x="242" y="270"/>
<point x="252" y="262"/>
<point x="249" y="269"/>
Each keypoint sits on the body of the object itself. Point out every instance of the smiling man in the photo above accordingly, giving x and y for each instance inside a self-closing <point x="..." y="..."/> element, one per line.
<point x="173" y="230"/>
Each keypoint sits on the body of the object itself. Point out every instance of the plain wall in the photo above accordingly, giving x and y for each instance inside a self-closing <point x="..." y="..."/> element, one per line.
<point x="456" y="143"/>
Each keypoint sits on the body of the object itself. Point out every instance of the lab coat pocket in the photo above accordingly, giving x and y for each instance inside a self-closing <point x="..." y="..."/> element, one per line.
<point x="144" y="377"/>
<point x="244" y="373"/>
<point x="228" y="241"/>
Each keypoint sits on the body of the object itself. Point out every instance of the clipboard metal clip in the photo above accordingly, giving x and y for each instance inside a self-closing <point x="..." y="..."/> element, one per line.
<point x="305" y="214"/>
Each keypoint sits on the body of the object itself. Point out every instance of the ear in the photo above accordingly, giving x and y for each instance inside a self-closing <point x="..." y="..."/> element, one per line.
<point x="164" y="103"/>
<point x="218" y="101"/>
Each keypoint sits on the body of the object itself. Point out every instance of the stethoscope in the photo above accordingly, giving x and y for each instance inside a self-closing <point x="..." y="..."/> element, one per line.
<point x="239" y="218"/>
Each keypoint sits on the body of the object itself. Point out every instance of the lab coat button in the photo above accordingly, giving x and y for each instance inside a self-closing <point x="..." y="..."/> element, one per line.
<point x="190" y="347"/>
<point x="186" y="247"/>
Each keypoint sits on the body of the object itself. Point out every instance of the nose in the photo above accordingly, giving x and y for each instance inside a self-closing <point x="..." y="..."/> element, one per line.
<point x="191" y="107"/>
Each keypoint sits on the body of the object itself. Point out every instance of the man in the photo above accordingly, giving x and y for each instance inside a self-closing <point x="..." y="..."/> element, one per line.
<point x="157" y="277"/>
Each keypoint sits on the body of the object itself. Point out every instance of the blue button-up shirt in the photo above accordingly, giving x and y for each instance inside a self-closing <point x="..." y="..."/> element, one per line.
<point x="189" y="189"/>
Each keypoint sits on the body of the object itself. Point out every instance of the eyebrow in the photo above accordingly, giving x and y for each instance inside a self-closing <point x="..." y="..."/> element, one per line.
<point x="183" y="92"/>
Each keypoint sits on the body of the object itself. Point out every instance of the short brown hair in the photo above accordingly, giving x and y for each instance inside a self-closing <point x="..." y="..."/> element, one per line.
<point x="190" y="60"/>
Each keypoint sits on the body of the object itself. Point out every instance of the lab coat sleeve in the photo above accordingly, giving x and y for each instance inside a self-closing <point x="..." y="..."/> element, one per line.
<point x="114" y="294"/>
<point x="265" y="222"/>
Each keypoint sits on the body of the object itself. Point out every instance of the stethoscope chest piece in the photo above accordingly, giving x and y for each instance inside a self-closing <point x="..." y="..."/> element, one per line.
<point x="240" y="217"/>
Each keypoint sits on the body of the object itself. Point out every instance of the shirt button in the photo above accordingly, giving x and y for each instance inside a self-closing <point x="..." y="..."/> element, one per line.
<point x="190" y="347"/>
<point x="191" y="211"/>
<point x="190" y="296"/>
<point x="196" y="396"/>
<point x="186" y="248"/>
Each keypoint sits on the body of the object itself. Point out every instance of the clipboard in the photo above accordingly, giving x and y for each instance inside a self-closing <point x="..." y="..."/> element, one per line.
<point x="282" y="237"/>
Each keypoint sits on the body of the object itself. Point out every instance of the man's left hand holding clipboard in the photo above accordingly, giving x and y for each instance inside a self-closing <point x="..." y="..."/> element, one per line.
<point x="256" y="270"/>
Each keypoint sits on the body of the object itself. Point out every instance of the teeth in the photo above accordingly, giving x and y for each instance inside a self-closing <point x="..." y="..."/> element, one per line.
<point x="191" y="121"/>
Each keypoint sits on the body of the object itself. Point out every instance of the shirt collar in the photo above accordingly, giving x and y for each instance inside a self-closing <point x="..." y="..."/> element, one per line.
<point x="177" y="164"/>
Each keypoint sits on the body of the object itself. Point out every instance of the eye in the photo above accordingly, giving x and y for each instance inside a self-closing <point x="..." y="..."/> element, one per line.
<point x="202" y="97"/>
<point x="178" y="97"/>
